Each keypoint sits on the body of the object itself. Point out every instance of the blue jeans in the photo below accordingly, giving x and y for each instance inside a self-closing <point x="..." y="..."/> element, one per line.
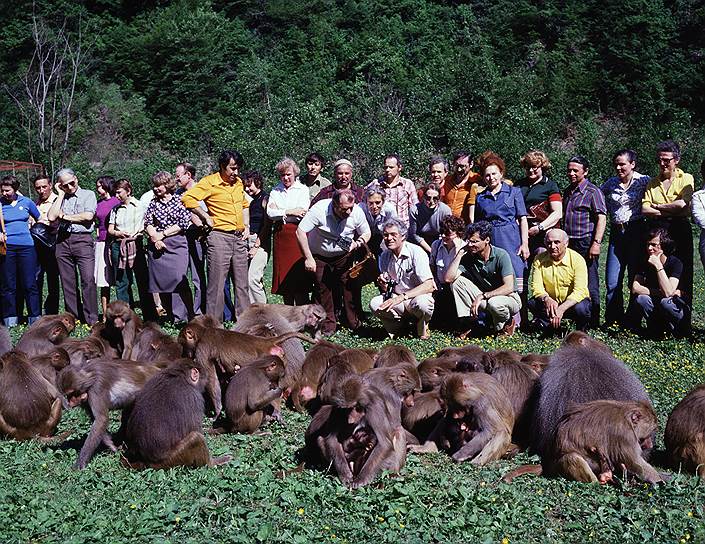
<point x="624" y="248"/>
<point x="670" y="314"/>
<point x="18" y="271"/>
<point x="579" y="313"/>
<point x="582" y="246"/>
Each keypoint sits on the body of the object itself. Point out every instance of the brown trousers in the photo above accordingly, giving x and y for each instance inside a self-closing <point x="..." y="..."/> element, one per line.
<point x="77" y="253"/>
<point x="226" y="251"/>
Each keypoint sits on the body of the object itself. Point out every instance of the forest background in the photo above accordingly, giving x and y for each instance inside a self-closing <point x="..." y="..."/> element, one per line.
<point x="127" y="88"/>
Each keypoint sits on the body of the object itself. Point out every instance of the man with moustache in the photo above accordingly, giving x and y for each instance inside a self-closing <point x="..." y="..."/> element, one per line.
<point x="400" y="191"/>
<point x="342" y="179"/>
<point x="461" y="186"/>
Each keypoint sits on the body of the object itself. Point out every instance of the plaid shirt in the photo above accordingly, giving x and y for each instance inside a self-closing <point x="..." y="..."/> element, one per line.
<point x="582" y="203"/>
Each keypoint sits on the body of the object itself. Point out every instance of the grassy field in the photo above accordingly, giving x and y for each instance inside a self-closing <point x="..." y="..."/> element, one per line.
<point x="432" y="500"/>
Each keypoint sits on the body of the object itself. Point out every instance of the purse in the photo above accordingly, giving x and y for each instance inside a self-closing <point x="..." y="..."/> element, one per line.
<point x="44" y="234"/>
<point x="540" y="211"/>
<point x="360" y="265"/>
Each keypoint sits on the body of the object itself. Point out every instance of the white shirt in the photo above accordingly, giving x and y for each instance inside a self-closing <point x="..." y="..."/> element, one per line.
<point x="697" y="206"/>
<point x="329" y="236"/>
<point x="282" y="199"/>
<point x="128" y="217"/>
<point x="409" y="270"/>
<point x="441" y="257"/>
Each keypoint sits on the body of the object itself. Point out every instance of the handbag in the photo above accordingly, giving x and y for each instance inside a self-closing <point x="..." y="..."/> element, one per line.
<point x="359" y="265"/>
<point x="44" y="234"/>
<point x="540" y="211"/>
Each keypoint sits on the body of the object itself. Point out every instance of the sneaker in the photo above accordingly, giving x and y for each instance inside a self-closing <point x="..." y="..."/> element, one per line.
<point x="508" y="329"/>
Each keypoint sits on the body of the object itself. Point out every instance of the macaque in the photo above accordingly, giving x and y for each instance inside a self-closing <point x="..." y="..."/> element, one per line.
<point x="5" y="340"/>
<point x="582" y="370"/>
<point x="593" y="437"/>
<point x="51" y="363"/>
<point x="433" y="370"/>
<point x="251" y="391"/>
<point x="29" y="404"/>
<point x="120" y="328"/>
<point x="394" y="354"/>
<point x="42" y="337"/>
<point x="421" y="418"/>
<point x="164" y="427"/>
<point x="99" y="386"/>
<point x="685" y="432"/>
<point x="537" y="361"/>
<point x="153" y="344"/>
<point x="360" y="359"/>
<point x="223" y="352"/>
<point x="338" y="370"/>
<point x="84" y="349"/>
<point x="312" y="370"/>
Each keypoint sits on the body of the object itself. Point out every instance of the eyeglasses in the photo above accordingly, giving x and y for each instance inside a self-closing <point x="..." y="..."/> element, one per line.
<point x="665" y="160"/>
<point x="432" y="198"/>
<point x="69" y="184"/>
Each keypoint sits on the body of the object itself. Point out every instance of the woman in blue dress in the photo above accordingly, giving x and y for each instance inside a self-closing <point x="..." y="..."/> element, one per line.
<point x="503" y="206"/>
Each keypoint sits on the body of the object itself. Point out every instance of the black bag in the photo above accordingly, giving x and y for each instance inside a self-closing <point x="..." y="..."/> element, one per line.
<point x="43" y="234"/>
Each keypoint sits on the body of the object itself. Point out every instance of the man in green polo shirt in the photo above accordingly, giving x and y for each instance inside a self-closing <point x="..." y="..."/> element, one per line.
<point x="482" y="279"/>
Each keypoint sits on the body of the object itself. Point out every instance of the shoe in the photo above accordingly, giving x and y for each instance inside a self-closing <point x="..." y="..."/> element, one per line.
<point x="508" y="329"/>
<point x="161" y="312"/>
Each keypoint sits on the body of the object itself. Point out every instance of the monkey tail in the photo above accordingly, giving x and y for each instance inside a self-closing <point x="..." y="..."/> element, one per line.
<point x="537" y="470"/>
<point x="301" y="336"/>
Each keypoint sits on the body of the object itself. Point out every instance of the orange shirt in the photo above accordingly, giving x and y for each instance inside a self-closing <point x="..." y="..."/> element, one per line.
<point x="459" y="198"/>
<point x="225" y="202"/>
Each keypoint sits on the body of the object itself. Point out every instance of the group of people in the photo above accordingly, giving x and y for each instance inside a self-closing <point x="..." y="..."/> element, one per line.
<point x="461" y="243"/>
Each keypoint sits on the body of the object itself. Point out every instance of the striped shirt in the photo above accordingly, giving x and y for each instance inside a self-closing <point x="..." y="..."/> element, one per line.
<point x="582" y="204"/>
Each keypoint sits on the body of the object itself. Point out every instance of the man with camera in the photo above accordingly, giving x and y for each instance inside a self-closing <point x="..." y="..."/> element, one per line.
<point x="482" y="280"/>
<point x="332" y="233"/>
<point x="406" y="282"/>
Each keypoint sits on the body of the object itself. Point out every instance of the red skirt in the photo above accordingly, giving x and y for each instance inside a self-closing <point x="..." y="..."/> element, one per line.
<point x="288" y="260"/>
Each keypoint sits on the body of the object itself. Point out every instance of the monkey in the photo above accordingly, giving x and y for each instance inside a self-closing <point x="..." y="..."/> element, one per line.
<point x="29" y="404"/>
<point x="227" y="351"/>
<point x="469" y="350"/>
<point x="433" y="370"/>
<point x="84" y="349"/>
<point x="5" y="340"/>
<point x="275" y="319"/>
<point x="164" y="426"/>
<point x="334" y="375"/>
<point x="581" y="370"/>
<point x="537" y="361"/>
<point x="153" y="344"/>
<point x="393" y="354"/>
<point x="208" y="321"/>
<point x="477" y="422"/>
<point x="361" y="359"/>
<point x="66" y="318"/>
<point x="101" y="385"/>
<point x="402" y="378"/>
<point x="120" y="328"/>
<point x="42" y="337"/>
<point x="422" y="417"/>
<point x="312" y="370"/>
<point x="251" y="391"/>
<point x="359" y="435"/>
<point x="685" y="432"/>
<point x="594" y="436"/>
<point x="51" y="363"/>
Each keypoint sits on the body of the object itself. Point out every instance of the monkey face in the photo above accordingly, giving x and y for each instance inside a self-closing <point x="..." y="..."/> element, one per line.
<point x="74" y="398"/>
<point x="356" y="414"/>
<point x="119" y="323"/>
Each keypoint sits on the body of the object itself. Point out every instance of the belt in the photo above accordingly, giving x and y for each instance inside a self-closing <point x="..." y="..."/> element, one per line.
<point x="236" y="232"/>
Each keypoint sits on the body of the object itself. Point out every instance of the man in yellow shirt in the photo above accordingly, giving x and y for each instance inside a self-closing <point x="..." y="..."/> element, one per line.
<point x="559" y="286"/>
<point x="224" y="195"/>
<point x="666" y="204"/>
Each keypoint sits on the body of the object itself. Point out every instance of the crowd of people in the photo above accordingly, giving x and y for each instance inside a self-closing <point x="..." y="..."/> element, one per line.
<point x="465" y="250"/>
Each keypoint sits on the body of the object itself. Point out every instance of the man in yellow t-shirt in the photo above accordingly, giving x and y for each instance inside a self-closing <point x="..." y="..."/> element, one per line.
<point x="224" y="195"/>
<point x="666" y="204"/>
<point x="559" y="285"/>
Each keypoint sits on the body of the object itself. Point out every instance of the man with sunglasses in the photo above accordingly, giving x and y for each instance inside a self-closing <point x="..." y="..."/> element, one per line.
<point x="75" y="209"/>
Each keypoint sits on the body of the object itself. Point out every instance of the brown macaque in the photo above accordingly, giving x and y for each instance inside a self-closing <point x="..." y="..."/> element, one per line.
<point x="478" y="419"/>
<point x="595" y="436"/>
<point x="250" y="392"/>
<point x="581" y="370"/>
<point x="164" y="426"/>
<point x="84" y="349"/>
<point x="394" y="354"/>
<point x="421" y="418"/>
<point x="312" y="370"/>
<point x="51" y="363"/>
<point x="360" y="434"/>
<point x="66" y="318"/>
<point x="685" y="432"/>
<point x="208" y="321"/>
<point x="470" y="350"/>
<point x="362" y="360"/>
<point x="153" y="344"/>
<point x="433" y="370"/>
<point x="537" y="361"/>
<point x="101" y="385"/>
<point x="338" y="370"/>
<point x="42" y="337"/>
<point x="403" y="379"/>
<point x="29" y="404"/>
<point x="120" y="328"/>
<point x="222" y="352"/>
<point x="5" y="340"/>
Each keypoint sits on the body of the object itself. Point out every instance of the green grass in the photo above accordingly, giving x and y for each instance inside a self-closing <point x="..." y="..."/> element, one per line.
<point x="42" y="499"/>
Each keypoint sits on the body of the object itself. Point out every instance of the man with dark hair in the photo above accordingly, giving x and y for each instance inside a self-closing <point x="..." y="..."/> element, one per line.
<point x="329" y="235"/>
<point x="195" y="236"/>
<point x="461" y="186"/>
<point x="228" y="215"/>
<point x="666" y="204"/>
<point x="656" y="296"/>
<point x="559" y="285"/>
<point x="313" y="178"/>
<point x="482" y="280"/>
<point x="400" y="191"/>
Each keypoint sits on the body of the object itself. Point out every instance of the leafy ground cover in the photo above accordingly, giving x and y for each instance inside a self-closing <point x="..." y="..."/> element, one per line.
<point x="42" y="499"/>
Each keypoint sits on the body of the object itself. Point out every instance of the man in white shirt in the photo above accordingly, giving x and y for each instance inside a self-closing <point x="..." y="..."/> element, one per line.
<point x="329" y="236"/>
<point x="406" y="282"/>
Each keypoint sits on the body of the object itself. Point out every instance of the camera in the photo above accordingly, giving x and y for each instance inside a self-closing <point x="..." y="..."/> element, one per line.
<point x="389" y="289"/>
